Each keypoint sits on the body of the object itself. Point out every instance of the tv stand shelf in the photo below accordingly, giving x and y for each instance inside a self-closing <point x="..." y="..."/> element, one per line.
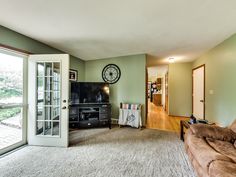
<point x="90" y="115"/>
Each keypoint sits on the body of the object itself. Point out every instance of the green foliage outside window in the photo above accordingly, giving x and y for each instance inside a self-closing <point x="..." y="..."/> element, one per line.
<point x="7" y="113"/>
<point x="10" y="88"/>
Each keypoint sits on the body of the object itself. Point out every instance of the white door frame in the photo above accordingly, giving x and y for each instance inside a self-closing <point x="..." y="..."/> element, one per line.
<point x="45" y="140"/>
<point x="204" y="82"/>
<point x="24" y="105"/>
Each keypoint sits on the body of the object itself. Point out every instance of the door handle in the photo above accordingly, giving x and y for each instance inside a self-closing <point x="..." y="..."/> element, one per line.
<point x="202" y="101"/>
<point x="64" y="107"/>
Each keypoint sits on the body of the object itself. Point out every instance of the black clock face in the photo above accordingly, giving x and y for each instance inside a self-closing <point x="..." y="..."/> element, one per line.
<point x="111" y="73"/>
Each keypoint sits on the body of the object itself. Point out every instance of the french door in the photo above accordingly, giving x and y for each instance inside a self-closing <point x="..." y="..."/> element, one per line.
<point x="48" y="95"/>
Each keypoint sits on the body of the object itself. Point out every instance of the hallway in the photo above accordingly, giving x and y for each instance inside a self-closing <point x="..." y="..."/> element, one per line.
<point x="158" y="119"/>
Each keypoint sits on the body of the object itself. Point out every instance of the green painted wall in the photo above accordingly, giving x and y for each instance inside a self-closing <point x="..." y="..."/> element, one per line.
<point x="131" y="86"/>
<point x="220" y="77"/>
<point x="17" y="40"/>
<point x="180" y="89"/>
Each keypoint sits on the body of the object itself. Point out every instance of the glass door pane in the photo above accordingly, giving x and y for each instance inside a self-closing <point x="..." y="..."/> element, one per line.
<point x="48" y="98"/>
<point x="11" y="100"/>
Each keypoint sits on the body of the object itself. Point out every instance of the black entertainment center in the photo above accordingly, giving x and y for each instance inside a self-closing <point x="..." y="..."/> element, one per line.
<point x="90" y="105"/>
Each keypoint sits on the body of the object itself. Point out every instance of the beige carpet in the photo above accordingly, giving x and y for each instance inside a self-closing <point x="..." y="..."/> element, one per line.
<point x="124" y="152"/>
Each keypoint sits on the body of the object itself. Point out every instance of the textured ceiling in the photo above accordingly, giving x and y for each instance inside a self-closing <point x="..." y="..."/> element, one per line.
<point x="90" y="29"/>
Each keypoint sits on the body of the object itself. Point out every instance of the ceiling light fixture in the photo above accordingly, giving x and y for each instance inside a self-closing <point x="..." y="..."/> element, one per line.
<point x="171" y="60"/>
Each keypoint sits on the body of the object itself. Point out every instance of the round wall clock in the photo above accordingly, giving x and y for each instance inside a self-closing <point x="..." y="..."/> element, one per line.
<point x="111" y="73"/>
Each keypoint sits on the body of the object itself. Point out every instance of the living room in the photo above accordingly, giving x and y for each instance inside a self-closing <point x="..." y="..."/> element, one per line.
<point x="82" y="44"/>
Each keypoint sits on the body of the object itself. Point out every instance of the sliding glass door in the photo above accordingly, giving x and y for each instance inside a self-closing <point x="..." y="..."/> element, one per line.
<point x="13" y="68"/>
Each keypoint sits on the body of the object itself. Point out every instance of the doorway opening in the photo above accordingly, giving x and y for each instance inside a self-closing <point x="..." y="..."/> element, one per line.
<point x="157" y="97"/>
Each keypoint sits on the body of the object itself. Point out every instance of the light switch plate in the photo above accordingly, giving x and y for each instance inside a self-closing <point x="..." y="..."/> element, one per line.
<point x="211" y="92"/>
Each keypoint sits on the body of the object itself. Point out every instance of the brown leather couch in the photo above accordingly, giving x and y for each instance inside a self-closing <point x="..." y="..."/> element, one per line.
<point x="212" y="150"/>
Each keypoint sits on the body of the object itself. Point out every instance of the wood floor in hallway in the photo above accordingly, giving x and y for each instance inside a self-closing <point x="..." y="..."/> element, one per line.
<point x="158" y="119"/>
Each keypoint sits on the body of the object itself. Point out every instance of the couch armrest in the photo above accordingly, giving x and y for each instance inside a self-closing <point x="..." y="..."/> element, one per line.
<point x="213" y="131"/>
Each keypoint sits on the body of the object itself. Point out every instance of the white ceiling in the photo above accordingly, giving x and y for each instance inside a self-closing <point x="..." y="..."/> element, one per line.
<point x="157" y="71"/>
<point x="91" y="29"/>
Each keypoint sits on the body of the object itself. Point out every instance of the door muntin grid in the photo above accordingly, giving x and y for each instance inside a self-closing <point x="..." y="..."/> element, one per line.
<point x="48" y="98"/>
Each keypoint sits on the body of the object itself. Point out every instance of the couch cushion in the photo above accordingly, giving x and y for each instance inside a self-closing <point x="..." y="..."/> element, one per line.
<point x="223" y="147"/>
<point x="202" y="152"/>
<point x="233" y="126"/>
<point x="222" y="169"/>
<point x="197" y="167"/>
<point x="212" y="131"/>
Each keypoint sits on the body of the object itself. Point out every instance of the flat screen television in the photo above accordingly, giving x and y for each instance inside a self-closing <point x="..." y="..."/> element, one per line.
<point x="89" y="92"/>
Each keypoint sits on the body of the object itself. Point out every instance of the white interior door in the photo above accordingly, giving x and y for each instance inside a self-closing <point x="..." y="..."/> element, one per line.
<point x="199" y="93"/>
<point x="48" y="95"/>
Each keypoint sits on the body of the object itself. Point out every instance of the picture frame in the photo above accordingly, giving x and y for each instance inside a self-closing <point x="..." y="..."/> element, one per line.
<point x="73" y="75"/>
